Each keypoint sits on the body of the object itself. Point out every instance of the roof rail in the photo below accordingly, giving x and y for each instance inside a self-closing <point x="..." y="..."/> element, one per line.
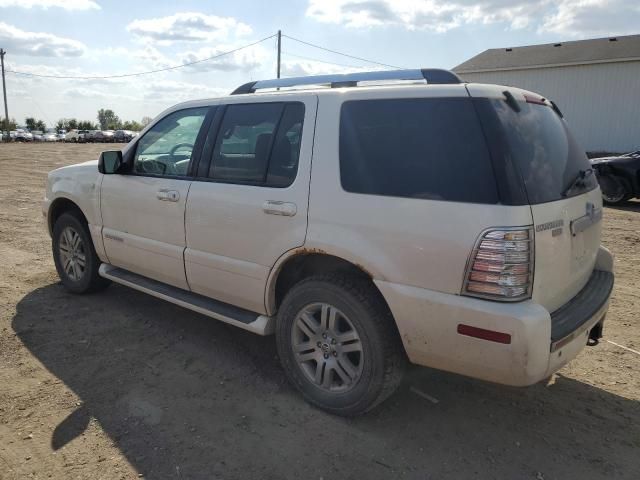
<point x="431" y="75"/>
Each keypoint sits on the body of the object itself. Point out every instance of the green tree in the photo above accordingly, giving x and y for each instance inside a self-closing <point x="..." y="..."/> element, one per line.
<point x="73" y="124"/>
<point x="40" y="125"/>
<point x="5" y="127"/>
<point x="132" y="125"/>
<point x="30" y="122"/>
<point x="108" y="120"/>
<point x="86" y="125"/>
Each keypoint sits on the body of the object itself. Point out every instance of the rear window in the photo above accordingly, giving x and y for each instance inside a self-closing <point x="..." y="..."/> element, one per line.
<point x="540" y="146"/>
<point x="431" y="148"/>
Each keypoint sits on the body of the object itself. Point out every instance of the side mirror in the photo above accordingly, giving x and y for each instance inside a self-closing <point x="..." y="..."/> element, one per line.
<point x="110" y="162"/>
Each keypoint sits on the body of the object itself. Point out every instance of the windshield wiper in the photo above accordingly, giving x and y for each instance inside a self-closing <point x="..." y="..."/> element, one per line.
<point x="578" y="181"/>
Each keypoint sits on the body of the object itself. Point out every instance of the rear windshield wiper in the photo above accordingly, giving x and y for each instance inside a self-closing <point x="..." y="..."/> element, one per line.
<point x="578" y="181"/>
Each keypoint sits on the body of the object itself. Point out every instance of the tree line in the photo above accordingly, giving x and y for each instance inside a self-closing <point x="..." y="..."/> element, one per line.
<point x="107" y="120"/>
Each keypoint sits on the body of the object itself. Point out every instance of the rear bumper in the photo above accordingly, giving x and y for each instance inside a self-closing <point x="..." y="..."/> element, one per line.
<point x="540" y="343"/>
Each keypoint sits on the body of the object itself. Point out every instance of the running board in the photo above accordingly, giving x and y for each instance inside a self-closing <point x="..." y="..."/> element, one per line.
<point x="239" y="317"/>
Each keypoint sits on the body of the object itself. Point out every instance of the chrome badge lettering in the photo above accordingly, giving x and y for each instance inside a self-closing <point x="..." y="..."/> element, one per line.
<point x="550" y="225"/>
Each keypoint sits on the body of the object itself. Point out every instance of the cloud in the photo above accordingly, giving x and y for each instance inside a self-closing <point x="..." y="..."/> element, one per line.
<point x="188" y="27"/>
<point x="38" y="44"/>
<point x="64" y="4"/>
<point x="593" y="17"/>
<point x="245" y="59"/>
<point x="566" y="17"/>
<point x="170" y="92"/>
<point x="302" y="68"/>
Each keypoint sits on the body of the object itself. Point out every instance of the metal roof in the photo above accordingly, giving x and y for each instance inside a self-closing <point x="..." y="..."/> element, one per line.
<point x="580" y="52"/>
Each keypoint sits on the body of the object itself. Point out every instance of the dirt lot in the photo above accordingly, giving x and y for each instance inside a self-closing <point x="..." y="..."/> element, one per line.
<point x="121" y="385"/>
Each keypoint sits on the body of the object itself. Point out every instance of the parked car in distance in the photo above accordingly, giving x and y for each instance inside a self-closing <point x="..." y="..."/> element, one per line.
<point x="50" y="137"/>
<point x="103" y="136"/>
<point x="75" y="136"/>
<point x="618" y="176"/>
<point x="409" y="239"/>
<point x="22" y="135"/>
<point x="89" y="136"/>
<point x="38" y="135"/>
<point x="61" y="135"/>
<point x="124" y="136"/>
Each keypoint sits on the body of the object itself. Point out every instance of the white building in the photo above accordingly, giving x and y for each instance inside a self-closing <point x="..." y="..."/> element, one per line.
<point x="596" y="84"/>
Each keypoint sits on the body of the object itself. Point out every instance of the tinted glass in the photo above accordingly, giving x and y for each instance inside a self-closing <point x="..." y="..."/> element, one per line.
<point x="283" y="163"/>
<point x="167" y="147"/>
<point x="241" y="152"/>
<point x="259" y="144"/>
<point x="542" y="149"/>
<point x="421" y="148"/>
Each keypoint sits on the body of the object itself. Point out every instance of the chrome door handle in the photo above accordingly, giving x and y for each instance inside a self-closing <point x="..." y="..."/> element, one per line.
<point x="275" y="207"/>
<point x="168" y="195"/>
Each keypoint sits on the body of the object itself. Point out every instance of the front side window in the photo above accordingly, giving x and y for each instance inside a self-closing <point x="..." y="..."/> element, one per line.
<point x="258" y="144"/>
<point x="167" y="147"/>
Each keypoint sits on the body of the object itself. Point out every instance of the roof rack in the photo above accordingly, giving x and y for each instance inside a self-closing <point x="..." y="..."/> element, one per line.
<point x="431" y="75"/>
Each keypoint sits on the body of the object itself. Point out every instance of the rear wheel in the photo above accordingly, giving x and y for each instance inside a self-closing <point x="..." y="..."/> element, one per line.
<point x="338" y="344"/>
<point x="74" y="255"/>
<point x="614" y="190"/>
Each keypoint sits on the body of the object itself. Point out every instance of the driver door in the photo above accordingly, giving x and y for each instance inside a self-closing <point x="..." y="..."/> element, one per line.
<point x="143" y="208"/>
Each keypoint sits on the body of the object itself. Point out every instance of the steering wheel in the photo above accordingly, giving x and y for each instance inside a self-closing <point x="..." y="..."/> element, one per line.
<point x="175" y="148"/>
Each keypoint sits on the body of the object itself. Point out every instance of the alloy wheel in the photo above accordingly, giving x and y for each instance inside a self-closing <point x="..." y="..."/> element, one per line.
<point x="327" y="347"/>
<point x="72" y="254"/>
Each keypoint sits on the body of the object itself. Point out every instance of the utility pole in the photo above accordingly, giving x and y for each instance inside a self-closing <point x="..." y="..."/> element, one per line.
<point x="4" y="92"/>
<point x="279" y="50"/>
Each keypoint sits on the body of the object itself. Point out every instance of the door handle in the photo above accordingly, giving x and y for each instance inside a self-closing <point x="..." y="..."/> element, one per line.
<point x="275" y="207"/>
<point x="168" y="195"/>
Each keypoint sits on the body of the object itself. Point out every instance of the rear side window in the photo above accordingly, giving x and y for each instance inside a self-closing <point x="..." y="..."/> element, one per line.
<point x="541" y="147"/>
<point x="258" y="144"/>
<point x="430" y="148"/>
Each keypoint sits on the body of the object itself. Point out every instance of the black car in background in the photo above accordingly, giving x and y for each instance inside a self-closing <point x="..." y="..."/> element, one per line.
<point x="618" y="176"/>
<point x="124" y="136"/>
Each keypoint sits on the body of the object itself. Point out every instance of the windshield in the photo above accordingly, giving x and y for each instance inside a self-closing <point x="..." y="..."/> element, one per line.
<point x="538" y="143"/>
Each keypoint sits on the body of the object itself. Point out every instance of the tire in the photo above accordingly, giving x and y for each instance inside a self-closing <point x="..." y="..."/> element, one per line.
<point x="614" y="190"/>
<point x="72" y="247"/>
<point x="330" y="371"/>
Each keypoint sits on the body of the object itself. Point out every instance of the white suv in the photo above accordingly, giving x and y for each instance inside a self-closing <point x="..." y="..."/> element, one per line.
<point x="416" y="217"/>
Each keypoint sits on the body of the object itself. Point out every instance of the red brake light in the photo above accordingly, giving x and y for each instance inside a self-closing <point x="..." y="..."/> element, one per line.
<point x="536" y="100"/>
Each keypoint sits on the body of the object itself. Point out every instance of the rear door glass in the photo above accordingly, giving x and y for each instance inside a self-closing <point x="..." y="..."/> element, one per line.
<point x="542" y="148"/>
<point x="258" y="144"/>
<point x="429" y="148"/>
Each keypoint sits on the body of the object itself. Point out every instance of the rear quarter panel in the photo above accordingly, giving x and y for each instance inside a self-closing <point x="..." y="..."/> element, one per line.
<point x="422" y="243"/>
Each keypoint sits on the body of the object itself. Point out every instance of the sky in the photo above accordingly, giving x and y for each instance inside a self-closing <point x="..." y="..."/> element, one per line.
<point x="106" y="37"/>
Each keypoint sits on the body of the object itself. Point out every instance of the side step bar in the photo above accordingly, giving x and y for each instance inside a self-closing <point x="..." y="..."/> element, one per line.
<point x="239" y="317"/>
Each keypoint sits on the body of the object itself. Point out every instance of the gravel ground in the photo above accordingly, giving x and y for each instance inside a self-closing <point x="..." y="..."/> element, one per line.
<point x="121" y="385"/>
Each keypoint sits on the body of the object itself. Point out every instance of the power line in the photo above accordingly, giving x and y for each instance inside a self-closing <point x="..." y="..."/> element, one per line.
<point x="320" y="61"/>
<point x="339" y="53"/>
<point x="174" y="67"/>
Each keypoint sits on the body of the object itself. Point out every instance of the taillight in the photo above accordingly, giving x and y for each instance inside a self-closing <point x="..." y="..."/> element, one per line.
<point x="501" y="265"/>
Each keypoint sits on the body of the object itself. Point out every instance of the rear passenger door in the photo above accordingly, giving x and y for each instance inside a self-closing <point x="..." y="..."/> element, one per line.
<point x="248" y="204"/>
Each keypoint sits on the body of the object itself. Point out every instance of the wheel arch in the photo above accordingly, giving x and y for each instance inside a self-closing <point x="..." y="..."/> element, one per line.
<point x="61" y="205"/>
<point x="303" y="262"/>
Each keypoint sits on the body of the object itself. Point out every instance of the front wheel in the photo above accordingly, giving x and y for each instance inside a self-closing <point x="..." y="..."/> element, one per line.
<point x="74" y="255"/>
<point x="338" y="344"/>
